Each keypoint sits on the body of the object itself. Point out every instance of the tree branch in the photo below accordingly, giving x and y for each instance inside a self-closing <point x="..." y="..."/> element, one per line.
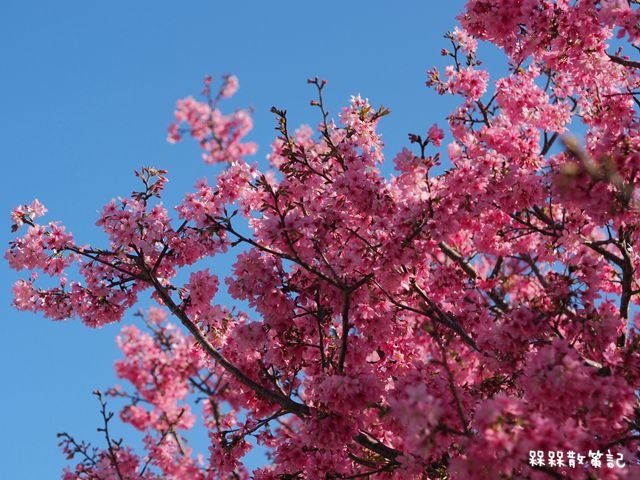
<point x="344" y="339"/>
<point x="623" y="61"/>
<point x="376" y="446"/>
<point x="275" y="397"/>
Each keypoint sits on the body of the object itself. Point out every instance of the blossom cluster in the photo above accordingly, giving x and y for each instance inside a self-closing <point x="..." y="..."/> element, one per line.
<point x="417" y="325"/>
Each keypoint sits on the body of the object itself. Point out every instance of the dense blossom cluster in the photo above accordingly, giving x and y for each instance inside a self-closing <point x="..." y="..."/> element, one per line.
<point x="219" y="135"/>
<point x="419" y="326"/>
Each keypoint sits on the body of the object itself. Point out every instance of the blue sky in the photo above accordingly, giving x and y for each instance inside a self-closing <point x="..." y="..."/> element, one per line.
<point x="88" y="90"/>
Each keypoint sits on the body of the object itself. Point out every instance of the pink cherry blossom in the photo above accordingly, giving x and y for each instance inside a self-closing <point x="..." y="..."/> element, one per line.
<point x="430" y="323"/>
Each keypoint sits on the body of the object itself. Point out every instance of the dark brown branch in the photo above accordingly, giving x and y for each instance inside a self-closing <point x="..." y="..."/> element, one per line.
<point x="103" y="262"/>
<point x="293" y="258"/>
<point x="371" y="443"/>
<point x="453" y="388"/>
<point x="81" y="448"/>
<point x="548" y="143"/>
<point x="627" y="279"/>
<point x="623" y="61"/>
<point x="471" y="272"/>
<point x="456" y="257"/>
<point x="344" y="339"/>
<point x="446" y="321"/>
<point x="170" y="429"/>
<point x="597" y="247"/>
<point x="433" y="311"/>
<point x="165" y="249"/>
<point x="106" y="418"/>
<point x="318" y="316"/>
<point x="275" y="397"/>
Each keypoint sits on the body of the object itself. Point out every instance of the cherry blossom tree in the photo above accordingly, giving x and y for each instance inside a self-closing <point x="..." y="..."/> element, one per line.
<point x="411" y="326"/>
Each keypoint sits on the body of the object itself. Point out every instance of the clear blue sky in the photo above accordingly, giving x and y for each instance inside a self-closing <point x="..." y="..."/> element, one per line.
<point x="88" y="90"/>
